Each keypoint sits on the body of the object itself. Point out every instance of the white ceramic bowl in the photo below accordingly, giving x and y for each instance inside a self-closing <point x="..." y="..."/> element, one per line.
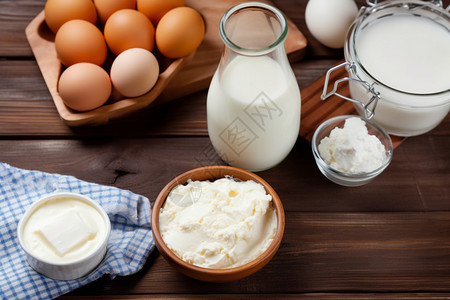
<point x="65" y="270"/>
<point x="342" y="178"/>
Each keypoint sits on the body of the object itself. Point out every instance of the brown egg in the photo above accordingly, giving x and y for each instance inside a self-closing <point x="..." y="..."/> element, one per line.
<point x="126" y="29"/>
<point x="105" y="8"/>
<point x="80" y="41"/>
<point x="179" y="32"/>
<point x="84" y="86"/>
<point x="58" y="12"/>
<point x="156" y="9"/>
<point x="134" y="72"/>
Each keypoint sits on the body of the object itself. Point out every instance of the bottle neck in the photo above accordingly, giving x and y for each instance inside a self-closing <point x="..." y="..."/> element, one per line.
<point x="253" y="29"/>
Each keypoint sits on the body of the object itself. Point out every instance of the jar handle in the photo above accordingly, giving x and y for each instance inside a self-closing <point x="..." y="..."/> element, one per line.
<point x="369" y="108"/>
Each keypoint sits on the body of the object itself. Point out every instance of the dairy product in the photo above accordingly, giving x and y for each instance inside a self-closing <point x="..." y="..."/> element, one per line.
<point x="226" y="224"/>
<point x="409" y="55"/>
<point x="351" y="149"/>
<point x="63" y="229"/>
<point x="253" y="112"/>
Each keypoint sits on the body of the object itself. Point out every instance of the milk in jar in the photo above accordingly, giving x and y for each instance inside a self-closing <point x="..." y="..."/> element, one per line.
<point x="407" y="53"/>
<point x="403" y="49"/>
<point x="253" y="104"/>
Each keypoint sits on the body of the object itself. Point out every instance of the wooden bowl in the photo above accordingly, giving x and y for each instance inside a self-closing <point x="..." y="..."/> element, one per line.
<point x="41" y="41"/>
<point x="208" y="274"/>
<point x="182" y="77"/>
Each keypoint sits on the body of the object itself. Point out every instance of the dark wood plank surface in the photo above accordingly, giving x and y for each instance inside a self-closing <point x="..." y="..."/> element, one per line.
<point x="388" y="239"/>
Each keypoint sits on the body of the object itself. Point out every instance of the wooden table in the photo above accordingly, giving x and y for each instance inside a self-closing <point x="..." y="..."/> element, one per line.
<point x="388" y="239"/>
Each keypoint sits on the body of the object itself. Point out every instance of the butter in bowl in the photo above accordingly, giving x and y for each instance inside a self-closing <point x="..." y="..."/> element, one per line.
<point x="64" y="235"/>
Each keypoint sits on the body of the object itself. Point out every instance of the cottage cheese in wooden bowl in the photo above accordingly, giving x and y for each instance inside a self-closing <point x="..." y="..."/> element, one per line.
<point x="218" y="223"/>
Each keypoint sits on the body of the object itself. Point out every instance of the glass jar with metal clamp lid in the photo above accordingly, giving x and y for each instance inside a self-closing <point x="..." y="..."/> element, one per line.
<point x="398" y="59"/>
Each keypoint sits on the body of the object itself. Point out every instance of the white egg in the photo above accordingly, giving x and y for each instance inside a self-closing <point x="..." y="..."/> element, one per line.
<point x="329" y="20"/>
<point x="134" y="72"/>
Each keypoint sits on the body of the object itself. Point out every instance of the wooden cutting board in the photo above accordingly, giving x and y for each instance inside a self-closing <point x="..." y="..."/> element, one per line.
<point x="315" y="111"/>
<point x="182" y="77"/>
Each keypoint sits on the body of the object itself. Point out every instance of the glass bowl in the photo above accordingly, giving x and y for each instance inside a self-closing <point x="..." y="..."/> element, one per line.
<point x="344" y="178"/>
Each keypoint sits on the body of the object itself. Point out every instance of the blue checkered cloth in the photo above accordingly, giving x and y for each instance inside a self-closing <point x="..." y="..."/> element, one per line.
<point x="130" y="242"/>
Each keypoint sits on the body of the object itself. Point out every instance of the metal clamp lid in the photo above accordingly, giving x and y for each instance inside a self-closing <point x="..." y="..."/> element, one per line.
<point x="435" y="2"/>
<point x="369" y="108"/>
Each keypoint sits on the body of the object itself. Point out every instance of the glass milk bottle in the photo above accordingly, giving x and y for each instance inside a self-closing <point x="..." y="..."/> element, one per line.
<point x="253" y="104"/>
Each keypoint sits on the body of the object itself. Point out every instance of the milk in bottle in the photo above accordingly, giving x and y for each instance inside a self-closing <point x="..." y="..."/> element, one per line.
<point x="253" y="105"/>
